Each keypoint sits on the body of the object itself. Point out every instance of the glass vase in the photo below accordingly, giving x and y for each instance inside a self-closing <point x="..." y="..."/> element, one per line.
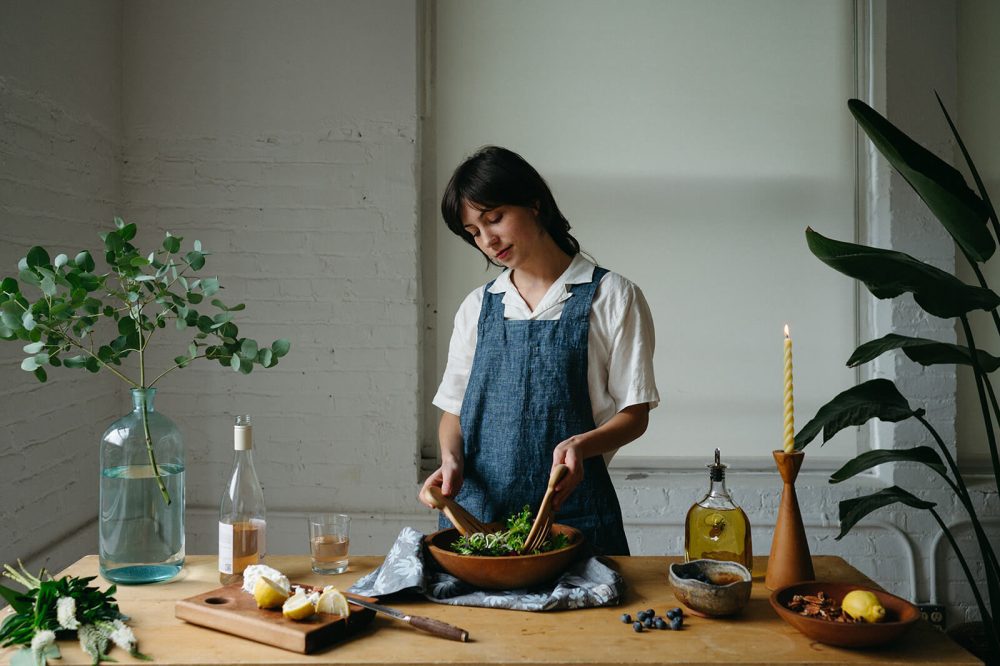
<point x="142" y="496"/>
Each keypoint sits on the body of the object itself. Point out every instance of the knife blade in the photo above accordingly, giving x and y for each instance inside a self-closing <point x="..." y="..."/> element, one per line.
<point x="428" y="624"/>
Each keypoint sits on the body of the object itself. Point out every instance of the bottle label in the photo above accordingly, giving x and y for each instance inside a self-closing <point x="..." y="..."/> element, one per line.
<point x="225" y="548"/>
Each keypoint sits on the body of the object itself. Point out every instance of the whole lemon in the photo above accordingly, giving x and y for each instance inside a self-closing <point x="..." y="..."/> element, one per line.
<point x="863" y="605"/>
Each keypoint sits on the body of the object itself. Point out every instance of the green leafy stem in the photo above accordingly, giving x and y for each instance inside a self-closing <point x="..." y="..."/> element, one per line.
<point x="59" y="306"/>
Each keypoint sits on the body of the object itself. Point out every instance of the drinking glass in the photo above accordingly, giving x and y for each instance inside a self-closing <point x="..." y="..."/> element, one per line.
<point x="329" y="537"/>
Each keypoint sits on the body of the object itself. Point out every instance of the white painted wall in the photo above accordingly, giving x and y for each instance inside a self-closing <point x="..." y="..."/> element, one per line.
<point x="689" y="162"/>
<point x="60" y="131"/>
<point x="288" y="142"/>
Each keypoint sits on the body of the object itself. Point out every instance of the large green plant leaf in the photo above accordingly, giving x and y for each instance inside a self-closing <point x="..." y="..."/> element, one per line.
<point x="922" y="351"/>
<point x="938" y="183"/>
<point x="853" y="510"/>
<point x="876" y="398"/>
<point x="888" y="274"/>
<point x="920" y="454"/>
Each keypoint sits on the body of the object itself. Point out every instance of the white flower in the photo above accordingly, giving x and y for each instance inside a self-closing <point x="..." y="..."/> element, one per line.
<point x="42" y="640"/>
<point x="66" y="613"/>
<point x="122" y="636"/>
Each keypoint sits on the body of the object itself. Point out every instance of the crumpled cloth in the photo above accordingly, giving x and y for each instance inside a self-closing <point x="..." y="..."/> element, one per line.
<point x="587" y="584"/>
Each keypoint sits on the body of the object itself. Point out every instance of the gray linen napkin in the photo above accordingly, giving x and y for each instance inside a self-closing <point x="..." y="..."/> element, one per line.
<point x="587" y="584"/>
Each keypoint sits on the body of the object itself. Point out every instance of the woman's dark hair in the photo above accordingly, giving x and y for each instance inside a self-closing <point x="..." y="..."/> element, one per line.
<point x="495" y="176"/>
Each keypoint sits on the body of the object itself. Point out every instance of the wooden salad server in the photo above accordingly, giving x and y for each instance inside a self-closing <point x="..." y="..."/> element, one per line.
<point x="543" y="520"/>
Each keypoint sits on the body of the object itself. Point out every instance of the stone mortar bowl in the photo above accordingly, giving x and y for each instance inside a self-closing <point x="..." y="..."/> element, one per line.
<point x="727" y="594"/>
<point x="505" y="572"/>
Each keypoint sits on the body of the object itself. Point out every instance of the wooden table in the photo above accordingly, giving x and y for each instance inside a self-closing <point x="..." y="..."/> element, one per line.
<point x="587" y="636"/>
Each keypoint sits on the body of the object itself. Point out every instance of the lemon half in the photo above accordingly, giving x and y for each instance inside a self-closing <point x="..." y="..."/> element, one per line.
<point x="268" y="594"/>
<point x="298" y="607"/>
<point x="333" y="601"/>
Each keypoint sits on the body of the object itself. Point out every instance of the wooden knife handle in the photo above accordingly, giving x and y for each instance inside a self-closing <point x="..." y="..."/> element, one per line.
<point x="439" y="628"/>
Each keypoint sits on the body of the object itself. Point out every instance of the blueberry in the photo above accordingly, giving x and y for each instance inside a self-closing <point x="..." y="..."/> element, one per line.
<point x="659" y="623"/>
<point x="650" y="612"/>
<point x="637" y="626"/>
<point x="642" y="615"/>
<point x="671" y="614"/>
<point x="678" y="611"/>
<point x="648" y="622"/>
<point x="626" y="618"/>
<point x="676" y="623"/>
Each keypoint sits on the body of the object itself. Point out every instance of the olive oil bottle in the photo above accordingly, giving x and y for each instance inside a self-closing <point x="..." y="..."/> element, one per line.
<point x="716" y="528"/>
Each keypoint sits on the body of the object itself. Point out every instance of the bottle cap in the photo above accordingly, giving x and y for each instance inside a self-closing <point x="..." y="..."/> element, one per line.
<point x="717" y="471"/>
<point x="243" y="433"/>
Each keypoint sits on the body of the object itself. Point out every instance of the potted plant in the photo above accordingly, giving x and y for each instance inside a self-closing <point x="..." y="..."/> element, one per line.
<point x="71" y="316"/>
<point x="967" y="216"/>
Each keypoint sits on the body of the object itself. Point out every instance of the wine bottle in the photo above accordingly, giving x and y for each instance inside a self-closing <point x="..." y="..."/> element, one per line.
<point x="242" y="519"/>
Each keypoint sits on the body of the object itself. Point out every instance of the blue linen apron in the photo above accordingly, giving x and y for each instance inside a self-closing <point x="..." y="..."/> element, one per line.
<point x="528" y="392"/>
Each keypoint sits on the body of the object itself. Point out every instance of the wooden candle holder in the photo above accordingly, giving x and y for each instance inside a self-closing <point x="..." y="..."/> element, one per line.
<point x="789" y="561"/>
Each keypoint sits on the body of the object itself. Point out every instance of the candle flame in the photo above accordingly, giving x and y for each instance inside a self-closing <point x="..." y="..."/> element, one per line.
<point x="786" y="331"/>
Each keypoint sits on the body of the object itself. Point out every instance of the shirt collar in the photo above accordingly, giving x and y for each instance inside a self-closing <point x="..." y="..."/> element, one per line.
<point x="579" y="271"/>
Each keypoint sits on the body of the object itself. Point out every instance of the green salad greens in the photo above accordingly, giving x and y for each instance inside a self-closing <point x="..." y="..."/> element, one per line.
<point x="509" y="541"/>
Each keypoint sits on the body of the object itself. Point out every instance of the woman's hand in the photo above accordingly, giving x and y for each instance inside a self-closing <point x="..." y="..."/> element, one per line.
<point x="448" y="477"/>
<point x="620" y="429"/>
<point x="568" y="452"/>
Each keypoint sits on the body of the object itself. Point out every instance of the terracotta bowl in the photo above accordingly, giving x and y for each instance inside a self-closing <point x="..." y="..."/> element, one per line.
<point x="900" y="614"/>
<point x="727" y="594"/>
<point x="508" y="572"/>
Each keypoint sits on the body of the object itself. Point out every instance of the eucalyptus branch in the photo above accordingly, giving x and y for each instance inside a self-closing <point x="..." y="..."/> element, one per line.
<point x="74" y="297"/>
<point x="174" y="367"/>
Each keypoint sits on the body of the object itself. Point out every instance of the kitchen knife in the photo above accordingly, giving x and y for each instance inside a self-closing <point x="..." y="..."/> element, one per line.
<point x="426" y="623"/>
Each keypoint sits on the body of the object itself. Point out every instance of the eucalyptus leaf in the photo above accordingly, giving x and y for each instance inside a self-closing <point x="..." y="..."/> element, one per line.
<point x="924" y="455"/>
<point x="264" y="357"/>
<point x="34" y="347"/>
<point x="210" y="286"/>
<point x="76" y="361"/>
<point x="853" y="510"/>
<point x="48" y="286"/>
<point x="876" y="398"/>
<point x="939" y="184"/>
<point x="171" y="244"/>
<point x="280" y="347"/>
<point x="41" y="375"/>
<point x="196" y="260"/>
<point x="60" y="260"/>
<point x="9" y="286"/>
<point x="27" y="321"/>
<point x="888" y="274"/>
<point x="37" y="256"/>
<point x="248" y="349"/>
<point x="84" y="261"/>
<point x="922" y="351"/>
<point x="29" y="364"/>
<point x="234" y="362"/>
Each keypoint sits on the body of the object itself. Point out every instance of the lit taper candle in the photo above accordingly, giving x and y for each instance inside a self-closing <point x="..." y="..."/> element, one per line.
<point x="789" y="443"/>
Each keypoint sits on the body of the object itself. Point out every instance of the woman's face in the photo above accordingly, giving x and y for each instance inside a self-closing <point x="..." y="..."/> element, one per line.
<point x="508" y="235"/>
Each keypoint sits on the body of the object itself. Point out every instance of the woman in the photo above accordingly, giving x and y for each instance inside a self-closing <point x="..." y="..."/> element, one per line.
<point x="549" y="363"/>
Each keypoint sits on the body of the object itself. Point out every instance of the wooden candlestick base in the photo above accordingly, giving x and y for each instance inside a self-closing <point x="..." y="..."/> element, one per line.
<point x="790" y="561"/>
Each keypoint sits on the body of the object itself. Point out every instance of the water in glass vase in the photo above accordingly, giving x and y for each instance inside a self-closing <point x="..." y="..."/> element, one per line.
<point x="140" y="542"/>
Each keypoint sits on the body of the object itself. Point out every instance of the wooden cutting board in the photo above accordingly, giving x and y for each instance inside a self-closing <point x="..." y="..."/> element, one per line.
<point x="233" y="611"/>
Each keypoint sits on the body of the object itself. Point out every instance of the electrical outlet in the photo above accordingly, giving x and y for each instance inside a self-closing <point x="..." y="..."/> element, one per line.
<point x="934" y="614"/>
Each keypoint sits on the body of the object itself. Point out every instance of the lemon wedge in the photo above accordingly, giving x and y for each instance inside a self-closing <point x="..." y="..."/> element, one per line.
<point x="863" y="605"/>
<point x="298" y="607"/>
<point x="268" y="594"/>
<point x="333" y="601"/>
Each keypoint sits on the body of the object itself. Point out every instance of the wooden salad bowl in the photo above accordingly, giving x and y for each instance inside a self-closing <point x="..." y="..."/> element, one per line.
<point x="504" y="572"/>
<point x="900" y="616"/>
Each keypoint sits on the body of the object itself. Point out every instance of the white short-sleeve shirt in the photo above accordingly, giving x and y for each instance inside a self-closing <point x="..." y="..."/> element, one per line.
<point x="620" y="343"/>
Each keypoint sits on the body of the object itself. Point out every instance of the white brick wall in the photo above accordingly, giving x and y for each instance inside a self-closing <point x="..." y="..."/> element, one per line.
<point x="59" y="172"/>
<point x="286" y="141"/>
